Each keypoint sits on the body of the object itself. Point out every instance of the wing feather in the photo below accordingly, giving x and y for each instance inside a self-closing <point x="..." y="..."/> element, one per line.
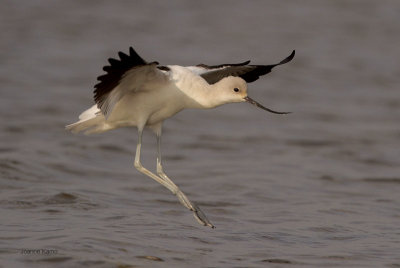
<point x="128" y="74"/>
<point x="250" y="73"/>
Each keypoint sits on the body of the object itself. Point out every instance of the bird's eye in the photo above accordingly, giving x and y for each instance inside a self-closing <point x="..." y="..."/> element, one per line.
<point x="236" y="89"/>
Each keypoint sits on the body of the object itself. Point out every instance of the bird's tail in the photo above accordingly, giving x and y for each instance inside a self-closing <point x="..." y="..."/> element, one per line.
<point x="90" y="121"/>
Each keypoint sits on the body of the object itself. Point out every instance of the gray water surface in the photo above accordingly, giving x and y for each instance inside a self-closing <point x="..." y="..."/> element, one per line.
<point x="316" y="188"/>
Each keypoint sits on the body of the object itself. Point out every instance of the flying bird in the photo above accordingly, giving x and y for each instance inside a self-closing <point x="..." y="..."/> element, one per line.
<point x="137" y="93"/>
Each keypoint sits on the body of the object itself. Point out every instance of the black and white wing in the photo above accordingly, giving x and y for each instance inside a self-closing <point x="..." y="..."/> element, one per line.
<point x="250" y="73"/>
<point x="128" y="74"/>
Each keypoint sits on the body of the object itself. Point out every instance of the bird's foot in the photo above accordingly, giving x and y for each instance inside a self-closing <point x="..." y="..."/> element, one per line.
<point x="198" y="214"/>
<point x="201" y="217"/>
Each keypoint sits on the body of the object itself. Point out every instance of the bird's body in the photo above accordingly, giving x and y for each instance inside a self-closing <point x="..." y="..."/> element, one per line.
<point x="180" y="89"/>
<point x="135" y="93"/>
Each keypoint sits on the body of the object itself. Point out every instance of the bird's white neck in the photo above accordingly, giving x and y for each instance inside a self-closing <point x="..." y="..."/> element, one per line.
<point x="197" y="92"/>
<point x="204" y="96"/>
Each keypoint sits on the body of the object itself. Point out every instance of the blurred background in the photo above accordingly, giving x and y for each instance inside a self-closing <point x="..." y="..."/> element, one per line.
<point x="318" y="187"/>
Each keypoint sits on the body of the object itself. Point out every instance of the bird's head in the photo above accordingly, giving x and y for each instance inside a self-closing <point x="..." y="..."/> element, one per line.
<point x="234" y="89"/>
<point x="231" y="89"/>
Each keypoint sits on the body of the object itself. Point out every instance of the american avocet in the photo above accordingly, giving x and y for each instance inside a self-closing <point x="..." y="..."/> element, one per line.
<point x="137" y="93"/>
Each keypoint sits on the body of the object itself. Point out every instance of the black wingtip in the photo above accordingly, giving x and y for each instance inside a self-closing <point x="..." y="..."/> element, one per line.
<point x="289" y="58"/>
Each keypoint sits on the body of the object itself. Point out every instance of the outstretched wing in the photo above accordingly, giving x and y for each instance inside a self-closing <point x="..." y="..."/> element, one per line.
<point x="129" y="74"/>
<point x="249" y="73"/>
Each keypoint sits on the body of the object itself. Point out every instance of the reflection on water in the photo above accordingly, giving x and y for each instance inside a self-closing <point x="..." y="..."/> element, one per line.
<point x="318" y="187"/>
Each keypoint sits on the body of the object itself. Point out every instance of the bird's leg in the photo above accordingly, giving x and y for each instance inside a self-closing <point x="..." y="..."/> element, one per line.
<point x="166" y="182"/>
<point x="198" y="214"/>
<point x="139" y="166"/>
